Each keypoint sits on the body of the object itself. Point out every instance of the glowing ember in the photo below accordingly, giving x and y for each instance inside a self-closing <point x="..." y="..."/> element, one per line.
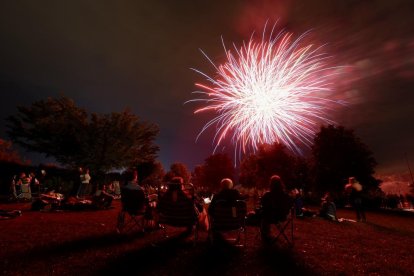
<point x="273" y="90"/>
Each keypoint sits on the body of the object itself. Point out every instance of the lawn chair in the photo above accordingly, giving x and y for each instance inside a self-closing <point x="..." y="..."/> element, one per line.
<point x="133" y="213"/>
<point x="284" y="229"/>
<point x="177" y="210"/>
<point x="229" y="217"/>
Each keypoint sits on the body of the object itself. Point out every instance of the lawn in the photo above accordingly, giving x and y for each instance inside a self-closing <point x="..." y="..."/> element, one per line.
<point x="85" y="243"/>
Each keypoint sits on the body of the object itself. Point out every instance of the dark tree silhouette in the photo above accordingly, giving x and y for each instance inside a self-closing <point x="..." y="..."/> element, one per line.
<point x="178" y="169"/>
<point x="215" y="168"/>
<point x="249" y="171"/>
<point x="197" y="177"/>
<point x="60" y="129"/>
<point x="151" y="173"/>
<point x="8" y="154"/>
<point x="339" y="154"/>
<point x="257" y="169"/>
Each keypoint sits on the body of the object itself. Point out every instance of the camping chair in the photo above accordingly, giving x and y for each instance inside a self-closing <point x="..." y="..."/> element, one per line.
<point x="284" y="229"/>
<point x="132" y="214"/>
<point x="229" y="217"/>
<point x="177" y="210"/>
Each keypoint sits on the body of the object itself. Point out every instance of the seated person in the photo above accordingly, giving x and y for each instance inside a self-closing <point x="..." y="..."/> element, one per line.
<point x="133" y="197"/>
<point x="275" y="206"/>
<point x="103" y="198"/>
<point x="227" y="193"/>
<point x="300" y="210"/>
<point x="328" y="208"/>
<point x="132" y="181"/>
<point x="175" y="207"/>
<point x="298" y="200"/>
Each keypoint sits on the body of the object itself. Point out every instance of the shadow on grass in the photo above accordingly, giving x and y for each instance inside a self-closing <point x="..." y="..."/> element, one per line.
<point x="74" y="246"/>
<point x="176" y="256"/>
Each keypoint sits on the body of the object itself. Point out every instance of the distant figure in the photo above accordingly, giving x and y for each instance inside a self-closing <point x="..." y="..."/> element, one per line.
<point x="355" y="189"/>
<point x="34" y="185"/>
<point x="298" y="200"/>
<point x="275" y="206"/>
<point x="328" y="208"/>
<point x="226" y="193"/>
<point x="85" y="179"/>
<point x="102" y="198"/>
<point x="24" y="183"/>
<point x="42" y="180"/>
<point x="14" y="188"/>
<point x="116" y="188"/>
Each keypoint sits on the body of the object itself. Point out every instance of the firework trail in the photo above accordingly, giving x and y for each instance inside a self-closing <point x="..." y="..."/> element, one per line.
<point x="272" y="90"/>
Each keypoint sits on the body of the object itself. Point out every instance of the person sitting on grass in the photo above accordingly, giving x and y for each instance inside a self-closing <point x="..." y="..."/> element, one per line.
<point x="328" y="208"/>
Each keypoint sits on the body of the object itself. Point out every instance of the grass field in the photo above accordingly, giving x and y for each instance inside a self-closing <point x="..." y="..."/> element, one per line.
<point x="85" y="243"/>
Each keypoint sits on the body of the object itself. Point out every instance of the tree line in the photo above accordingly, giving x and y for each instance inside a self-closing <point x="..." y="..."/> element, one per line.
<point x="57" y="128"/>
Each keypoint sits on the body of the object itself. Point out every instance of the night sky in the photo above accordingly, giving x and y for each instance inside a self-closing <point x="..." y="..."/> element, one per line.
<point x="109" y="55"/>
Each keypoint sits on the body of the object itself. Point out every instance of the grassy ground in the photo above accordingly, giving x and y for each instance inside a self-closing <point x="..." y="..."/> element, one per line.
<point x="85" y="243"/>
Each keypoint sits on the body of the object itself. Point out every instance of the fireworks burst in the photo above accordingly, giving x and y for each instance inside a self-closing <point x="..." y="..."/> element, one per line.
<point x="273" y="90"/>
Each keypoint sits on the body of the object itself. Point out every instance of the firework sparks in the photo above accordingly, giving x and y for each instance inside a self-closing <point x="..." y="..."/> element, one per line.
<point x="273" y="90"/>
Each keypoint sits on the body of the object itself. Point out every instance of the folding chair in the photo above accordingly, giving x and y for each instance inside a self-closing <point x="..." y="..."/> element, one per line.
<point x="284" y="229"/>
<point x="132" y="214"/>
<point x="229" y="217"/>
<point x="177" y="210"/>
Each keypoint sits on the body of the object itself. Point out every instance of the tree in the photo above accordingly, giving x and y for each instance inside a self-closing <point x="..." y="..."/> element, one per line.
<point x="178" y="169"/>
<point x="151" y="173"/>
<point x="257" y="169"/>
<point x="197" y="176"/>
<point x="249" y="176"/>
<point x="8" y="154"/>
<point x="339" y="154"/>
<point x="102" y="142"/>
<point x="215" y="168"/>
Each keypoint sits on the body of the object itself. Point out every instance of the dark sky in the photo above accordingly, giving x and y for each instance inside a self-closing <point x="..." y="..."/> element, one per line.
<point x="109" y="55"/>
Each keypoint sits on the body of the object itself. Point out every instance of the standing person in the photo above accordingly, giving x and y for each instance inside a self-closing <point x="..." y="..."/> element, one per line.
<point x="42" y="180"/>
<point x="85" y="178"/>
<point x="355" y="189"/>
<point x="14" y="190"/>
<point x="34" y="185"/>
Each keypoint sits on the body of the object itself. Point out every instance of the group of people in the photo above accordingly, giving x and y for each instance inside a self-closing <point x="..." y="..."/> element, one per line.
<point x="27" y="185"/>
<point x="275" y="203"/>
<point x="353" y="189"/>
